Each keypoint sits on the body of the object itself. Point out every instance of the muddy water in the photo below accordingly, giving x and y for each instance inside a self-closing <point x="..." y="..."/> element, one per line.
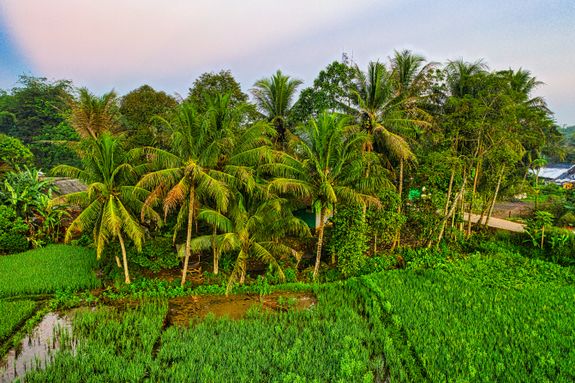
<point x="182" y="309"/>
<point x="36" y="349"/>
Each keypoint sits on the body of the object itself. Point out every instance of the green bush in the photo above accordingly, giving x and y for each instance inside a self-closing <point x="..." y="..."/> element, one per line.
<point x="157" y="254"/>
<point x="13" y="232"/>
<point x="348" y="241"/>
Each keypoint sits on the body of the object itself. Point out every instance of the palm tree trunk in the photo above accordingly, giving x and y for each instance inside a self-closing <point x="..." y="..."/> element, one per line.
<point x="243" y="274"/>
<point x="118" y="263"/>
<point x="495" y="195"/>
<point x="215" y="252"/>
<point x="124" y="258"/>
<point x="319" y="242"/>
<point x="189" y="234"/>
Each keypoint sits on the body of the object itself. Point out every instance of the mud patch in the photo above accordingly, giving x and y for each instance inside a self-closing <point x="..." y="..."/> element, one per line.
<point x="38" y="348"/>
<point x="183" y="309"/>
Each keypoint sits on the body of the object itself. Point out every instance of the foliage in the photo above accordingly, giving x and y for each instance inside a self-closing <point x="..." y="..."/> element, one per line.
<point x="274" y="98"/>
<point x="13" y="153"/>
<point x="46" y="270"/>
<point x="57" y="145"/>
<point x="384" y="222"/>
<point x="157" y="254"/>
<point x="92" y="115"/>
<point x="111" y="203"/>
<point x="327" y="170"/>
<point x="138" y="108"/>
<point x="13" y="231"/>
<point x="209" y="85"/>
<point x="535" y="228"/>
<point x="252" y="228"/>
<point x="348" y="241"/>
<point x="34" y="112"/>
<point x="328" y="93"/>
<point x="29" y="195"/>
<point x="187" y="174"/>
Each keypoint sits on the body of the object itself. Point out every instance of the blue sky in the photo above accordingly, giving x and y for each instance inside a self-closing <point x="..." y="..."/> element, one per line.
<point x="123" y="44"/>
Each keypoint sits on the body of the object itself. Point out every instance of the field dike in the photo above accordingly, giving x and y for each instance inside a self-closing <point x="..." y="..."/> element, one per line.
<point x="54" y="331"/>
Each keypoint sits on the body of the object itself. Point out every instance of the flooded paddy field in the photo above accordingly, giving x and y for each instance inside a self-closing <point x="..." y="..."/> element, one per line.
<point x="55" y="331"/>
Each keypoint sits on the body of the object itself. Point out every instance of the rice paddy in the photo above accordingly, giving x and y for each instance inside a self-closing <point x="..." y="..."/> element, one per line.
<point x="491" y="317"/>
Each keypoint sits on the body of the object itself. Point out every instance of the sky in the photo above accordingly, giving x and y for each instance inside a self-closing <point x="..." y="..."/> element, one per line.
<point x="123" y="44"/>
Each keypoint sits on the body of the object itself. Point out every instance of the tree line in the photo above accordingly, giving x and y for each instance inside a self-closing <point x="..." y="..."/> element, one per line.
<point x="393" y="153"/>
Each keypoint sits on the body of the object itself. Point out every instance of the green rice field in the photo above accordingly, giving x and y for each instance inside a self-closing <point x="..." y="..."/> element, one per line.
<point x="46" y="270"/>
<point x="489" y="318"/>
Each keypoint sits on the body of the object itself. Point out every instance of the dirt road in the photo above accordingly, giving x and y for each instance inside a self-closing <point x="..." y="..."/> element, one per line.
<point x="498" y="223"/>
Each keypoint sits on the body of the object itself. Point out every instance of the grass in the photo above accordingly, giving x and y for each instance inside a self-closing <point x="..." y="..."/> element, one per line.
<point x="485" y="319"/>
<point x="491" y="317"/>
<point x="47" y="270"/>
<point x="14" y="314"/>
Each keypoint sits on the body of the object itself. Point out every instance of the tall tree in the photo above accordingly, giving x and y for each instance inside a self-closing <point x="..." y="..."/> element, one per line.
<point x="91" y="115"/>
<point x="274" y="98"/>
<point x="138" y="109"/>
<point x="377" y="108"/>
<point x="253" y="228"/>
<point x="329" y="92"/>
<point x="327" y="168"/>
<point x="34" y="112"/>
<point x="211" y="84"/>
<point x="243" y="148"/>
<point x="111" y="203"/>
<point x="186" y="173"/>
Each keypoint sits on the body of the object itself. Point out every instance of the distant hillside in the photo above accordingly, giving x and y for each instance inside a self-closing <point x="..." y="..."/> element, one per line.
<point x="569" y="133"/>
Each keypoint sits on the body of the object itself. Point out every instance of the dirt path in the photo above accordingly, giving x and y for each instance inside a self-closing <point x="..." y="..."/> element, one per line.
<point x="507" y="209"/>
<point x="498" y="223"/>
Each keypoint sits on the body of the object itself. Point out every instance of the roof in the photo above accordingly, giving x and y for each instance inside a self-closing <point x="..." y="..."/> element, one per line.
<point x="68" y="185"/>
<point x="557" y="172"/>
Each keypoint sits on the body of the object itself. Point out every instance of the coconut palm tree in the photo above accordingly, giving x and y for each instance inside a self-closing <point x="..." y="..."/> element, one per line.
<point x="327" y="168"/>
<point x="410" y="74"/>
<point x="243" y="148"/>
<point x="376" y="108"/>
<point x="274" y="98"/>
<point x="91" y="115"/>
<point x="186" y="175"/>
<point x="111" y="203"/>
<point x="253" y="228"/>
<point x="459" y="73"/>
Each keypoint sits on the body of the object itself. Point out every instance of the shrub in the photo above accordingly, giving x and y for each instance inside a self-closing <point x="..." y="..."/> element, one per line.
<point x="13" y="231"/>
<point x="349" y="240"/>
<point x="157" y="254"/>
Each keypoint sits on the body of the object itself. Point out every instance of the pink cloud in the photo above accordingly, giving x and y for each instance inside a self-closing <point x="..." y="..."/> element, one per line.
<point x="110" y="38"/>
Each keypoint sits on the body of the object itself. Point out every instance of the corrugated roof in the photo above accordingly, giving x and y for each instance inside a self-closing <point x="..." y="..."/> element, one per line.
<point x="68" y="185"/>
<point x="557" y="172"/>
